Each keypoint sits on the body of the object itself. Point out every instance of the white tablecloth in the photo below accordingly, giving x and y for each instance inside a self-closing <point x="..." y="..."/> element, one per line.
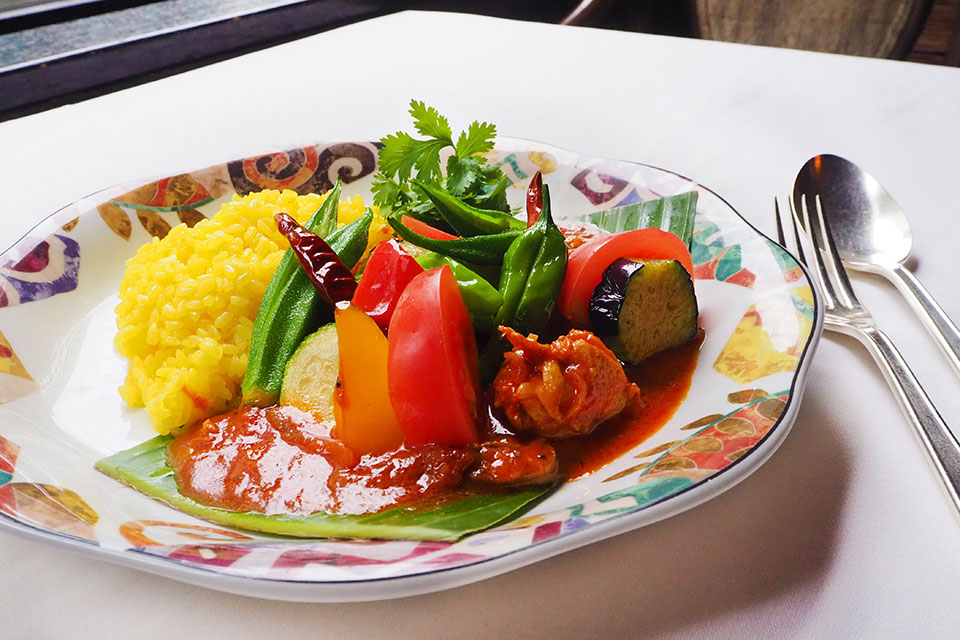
<point x="843" y="533"/>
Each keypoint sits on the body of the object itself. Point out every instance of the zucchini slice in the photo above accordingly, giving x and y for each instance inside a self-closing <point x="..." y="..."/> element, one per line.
<point x="310" y="379"/>
<point x="642" y="307"/>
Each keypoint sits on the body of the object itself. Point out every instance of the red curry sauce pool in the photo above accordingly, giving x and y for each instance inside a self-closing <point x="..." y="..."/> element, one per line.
<point x="664" y="381"/>
<point x="282" y="460"/>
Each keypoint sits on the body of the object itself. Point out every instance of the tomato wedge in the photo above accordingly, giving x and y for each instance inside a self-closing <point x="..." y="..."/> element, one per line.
<point x="418" y="226"/>
<point x="587" y="262"/>
<point x="432" y="365"/>
<point x="389" y="269"/>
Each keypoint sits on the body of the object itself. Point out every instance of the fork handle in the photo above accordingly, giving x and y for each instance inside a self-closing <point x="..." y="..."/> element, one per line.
<point x="937" y="439"/>
<point x="943" y="329"/>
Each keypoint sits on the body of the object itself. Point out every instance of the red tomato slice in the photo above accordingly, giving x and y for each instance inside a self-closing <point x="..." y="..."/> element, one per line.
<point x="425" y="230"/>
<point x="587" y="262"/>
<point x="432" y="365"/>
<point x="387" y="273"/>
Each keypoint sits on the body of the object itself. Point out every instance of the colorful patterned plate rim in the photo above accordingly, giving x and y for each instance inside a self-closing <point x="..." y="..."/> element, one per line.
<point x="61" y="411"/>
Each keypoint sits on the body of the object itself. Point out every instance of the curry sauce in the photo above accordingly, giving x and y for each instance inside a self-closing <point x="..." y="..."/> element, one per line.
<point x="284" y="460"/>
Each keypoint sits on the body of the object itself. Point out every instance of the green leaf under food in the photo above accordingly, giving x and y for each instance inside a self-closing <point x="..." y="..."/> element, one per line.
<point x="144" y="467"/>
<point x="672" y="213"/>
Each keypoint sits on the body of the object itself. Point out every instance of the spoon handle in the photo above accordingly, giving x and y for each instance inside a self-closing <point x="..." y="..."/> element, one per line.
<point x="941" y="327"/>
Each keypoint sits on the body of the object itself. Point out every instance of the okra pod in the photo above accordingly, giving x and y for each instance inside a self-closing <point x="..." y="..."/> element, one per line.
<point x="292" y="308"/>
<point x="350" y="240"/>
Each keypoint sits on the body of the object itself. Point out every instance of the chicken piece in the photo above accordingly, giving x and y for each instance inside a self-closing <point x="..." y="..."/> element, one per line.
<point x="509" y="462"/>
<point x="561" y="389"/>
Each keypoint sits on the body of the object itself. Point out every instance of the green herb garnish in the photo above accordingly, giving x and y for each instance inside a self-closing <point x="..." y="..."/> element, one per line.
<point x="467" y="175"/>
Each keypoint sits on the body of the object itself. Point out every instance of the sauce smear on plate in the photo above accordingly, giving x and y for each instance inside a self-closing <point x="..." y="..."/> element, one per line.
<point x="284" y="460"/>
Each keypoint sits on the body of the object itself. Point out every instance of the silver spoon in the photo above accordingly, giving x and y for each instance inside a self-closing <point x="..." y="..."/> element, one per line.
<point x="872" y="234"/>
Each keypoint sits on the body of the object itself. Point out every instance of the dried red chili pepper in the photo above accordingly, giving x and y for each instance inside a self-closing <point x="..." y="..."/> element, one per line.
<point x="322" y="265"/>
<point x="534" y="199"/>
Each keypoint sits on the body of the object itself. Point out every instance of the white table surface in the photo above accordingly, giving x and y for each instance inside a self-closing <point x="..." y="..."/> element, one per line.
<point x="843" y="533"/>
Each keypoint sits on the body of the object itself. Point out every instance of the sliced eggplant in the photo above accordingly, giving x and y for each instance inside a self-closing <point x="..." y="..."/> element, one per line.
<point x="642" y="307"/>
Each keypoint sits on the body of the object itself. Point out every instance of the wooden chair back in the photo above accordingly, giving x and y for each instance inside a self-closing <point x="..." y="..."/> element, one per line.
<point x="875" y="28"/>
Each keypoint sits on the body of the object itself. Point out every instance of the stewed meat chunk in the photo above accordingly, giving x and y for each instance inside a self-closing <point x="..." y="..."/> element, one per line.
<point x="509" y="462"/>
<point x="564" y="388"/>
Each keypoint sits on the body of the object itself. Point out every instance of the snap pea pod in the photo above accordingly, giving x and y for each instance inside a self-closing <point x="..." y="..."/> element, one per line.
<point x="481" y="297"/>
<point x="292" y="308"/>
<point x="465" y="219"/>
<point x="478" y="249"/>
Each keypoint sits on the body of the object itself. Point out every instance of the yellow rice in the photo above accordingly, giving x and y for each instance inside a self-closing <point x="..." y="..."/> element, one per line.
<point x="188" y="301"/>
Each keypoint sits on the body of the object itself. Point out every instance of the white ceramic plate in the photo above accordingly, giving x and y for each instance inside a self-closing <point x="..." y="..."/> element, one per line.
<point x="61" y="412"/>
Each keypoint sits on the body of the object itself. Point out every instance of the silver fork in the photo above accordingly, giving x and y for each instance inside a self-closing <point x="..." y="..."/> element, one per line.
<point x="813" y="245"/>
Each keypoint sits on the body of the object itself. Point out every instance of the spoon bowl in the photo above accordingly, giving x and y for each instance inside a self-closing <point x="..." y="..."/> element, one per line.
<point x="871" y="233"/>
<point x="870" y="229"/>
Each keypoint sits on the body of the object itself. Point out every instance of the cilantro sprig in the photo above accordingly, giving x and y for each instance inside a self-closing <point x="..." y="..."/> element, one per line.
<point x="466" y="174"/>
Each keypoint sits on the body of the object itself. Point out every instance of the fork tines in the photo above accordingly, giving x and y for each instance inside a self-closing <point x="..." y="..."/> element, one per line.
<point x="809" y="242"/>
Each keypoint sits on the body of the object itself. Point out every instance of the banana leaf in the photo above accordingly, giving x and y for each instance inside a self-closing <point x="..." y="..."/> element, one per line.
<point x="671" y="213"/>
<point x="144" y="467"/>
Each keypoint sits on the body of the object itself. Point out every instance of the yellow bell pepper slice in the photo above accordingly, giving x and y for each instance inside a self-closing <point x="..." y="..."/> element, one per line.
<point x="365" y="419"/>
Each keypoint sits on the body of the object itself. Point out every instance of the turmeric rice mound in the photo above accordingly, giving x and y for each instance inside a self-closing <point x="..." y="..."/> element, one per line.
<point x="188" y="301"/>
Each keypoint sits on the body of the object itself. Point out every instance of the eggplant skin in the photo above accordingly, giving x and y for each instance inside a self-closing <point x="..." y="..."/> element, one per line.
<point x="642" y="307"/>
<point x="608" y="298"/>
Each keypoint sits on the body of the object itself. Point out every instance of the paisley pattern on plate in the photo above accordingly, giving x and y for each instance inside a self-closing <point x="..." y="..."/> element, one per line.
<point x="8" y="461"/>
<point x="181" y="194"/>
<point x="14" y="379"/>
<point x="758" y="311"/>
<point x="51" y="508"/>
<point x="307" y="170"/>
<point x="50" y="267"/>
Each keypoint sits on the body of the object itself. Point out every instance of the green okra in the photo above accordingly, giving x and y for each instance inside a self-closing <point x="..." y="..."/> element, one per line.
<point x="675" y="214"/>
<point x="292" y="309"/>
<point x="350" y="240"/>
